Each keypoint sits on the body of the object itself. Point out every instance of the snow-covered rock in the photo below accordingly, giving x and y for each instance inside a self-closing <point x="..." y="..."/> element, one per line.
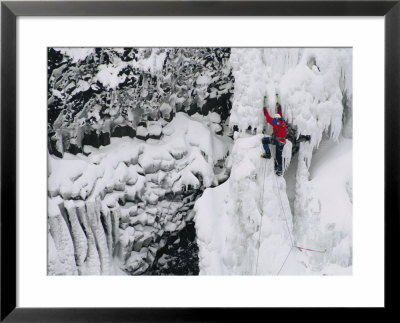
<point x="114" y="199"/>
<point x="99" y="93"/>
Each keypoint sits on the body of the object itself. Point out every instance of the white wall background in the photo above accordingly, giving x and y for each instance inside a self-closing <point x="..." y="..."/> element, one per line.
<point x="364" y="288"/>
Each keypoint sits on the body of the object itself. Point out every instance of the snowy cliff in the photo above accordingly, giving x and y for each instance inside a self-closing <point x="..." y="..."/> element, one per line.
<point x="116" y="208"/>
<point x="135" y="135"/>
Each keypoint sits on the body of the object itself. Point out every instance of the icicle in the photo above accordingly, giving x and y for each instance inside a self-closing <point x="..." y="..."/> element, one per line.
<point x="287" y="154"/>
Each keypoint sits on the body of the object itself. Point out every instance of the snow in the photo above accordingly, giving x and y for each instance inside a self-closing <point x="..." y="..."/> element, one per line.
<point x="154" y="128"/>
<point x="63" y="173"/>
<point x="153" y="63"/>
<point x="108" y="75"/>
<point x="142" y="131"/>
<point x="81" y="86"/>
<point x="76" y="53"/>
<point x="165" y="108"/>
<point x="338" y="161"/>
<point x="331" y="177"/>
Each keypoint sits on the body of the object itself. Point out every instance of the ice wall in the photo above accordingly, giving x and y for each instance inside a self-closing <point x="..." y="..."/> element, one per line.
<point x="244" y="226"/>
<point x="310" y="82"/>
<point x="315" y="91"/>
<point x="257" y="72"/>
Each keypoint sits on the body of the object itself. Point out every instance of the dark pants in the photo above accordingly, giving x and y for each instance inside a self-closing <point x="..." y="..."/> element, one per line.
<point x="279" y="147"/>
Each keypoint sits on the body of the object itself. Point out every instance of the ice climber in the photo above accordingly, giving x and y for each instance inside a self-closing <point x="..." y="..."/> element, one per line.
<point x="278" y="137"/>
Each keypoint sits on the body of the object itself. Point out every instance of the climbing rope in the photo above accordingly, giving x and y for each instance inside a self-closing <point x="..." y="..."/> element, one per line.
<point x="262" y="214"/>
<point x="284" y="214"/>
<point x="290" y="234"/>
<point x="285" y="261"/>
<point x="287" y="226"/>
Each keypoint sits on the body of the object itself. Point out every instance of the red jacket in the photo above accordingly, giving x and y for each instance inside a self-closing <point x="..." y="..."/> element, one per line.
<point x="281" y="133"/>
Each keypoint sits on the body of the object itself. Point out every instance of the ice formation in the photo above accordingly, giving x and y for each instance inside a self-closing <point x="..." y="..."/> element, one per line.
<point x="100" y="93"/>
<point x="145" y="142"/>
<point x="232" y="240"/>
<point x="121" y="200"/>
<point x="314" y="87"/>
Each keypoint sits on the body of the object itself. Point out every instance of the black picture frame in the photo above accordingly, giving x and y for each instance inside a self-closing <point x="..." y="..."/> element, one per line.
<point x="11" y="10"/>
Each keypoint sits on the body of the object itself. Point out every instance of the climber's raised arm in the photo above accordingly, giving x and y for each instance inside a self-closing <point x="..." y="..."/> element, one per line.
<point x="267" y="116"/>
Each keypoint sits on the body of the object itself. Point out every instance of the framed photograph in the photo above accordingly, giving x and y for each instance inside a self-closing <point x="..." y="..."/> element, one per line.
<point x="187" y="160"/>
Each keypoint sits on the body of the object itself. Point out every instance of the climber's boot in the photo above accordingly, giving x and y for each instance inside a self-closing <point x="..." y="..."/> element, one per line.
<point x="266" y="155"/>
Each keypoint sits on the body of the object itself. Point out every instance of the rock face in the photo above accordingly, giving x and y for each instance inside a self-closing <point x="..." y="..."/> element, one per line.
<point x="117" y="92"/>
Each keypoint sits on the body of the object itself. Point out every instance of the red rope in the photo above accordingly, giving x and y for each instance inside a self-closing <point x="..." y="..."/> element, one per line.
<point x="301" y="248"/>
